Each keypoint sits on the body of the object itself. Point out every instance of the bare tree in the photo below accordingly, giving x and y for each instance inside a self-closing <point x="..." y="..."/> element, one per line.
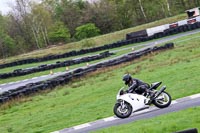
<point x="142" y="10"/>
<point x="40" y="21"/>
<point x="19" y="16"/>
<point x="168" y="7"/>
<point x="33" y="21"/>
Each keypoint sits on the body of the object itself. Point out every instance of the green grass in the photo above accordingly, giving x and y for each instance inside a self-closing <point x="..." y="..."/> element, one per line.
<point x="13" y="79"/>
<point x="92" y="97"/>
<point x="168" y="123"/>
<point x="10" y="69"/>
<point x="97" y="41"/>
<point x="61" y="69"/>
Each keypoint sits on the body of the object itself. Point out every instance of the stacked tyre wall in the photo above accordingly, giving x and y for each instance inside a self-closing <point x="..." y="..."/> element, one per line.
<point x="64" y="79"/>
<point x="166" y="30"/>
<point x="134" y="37"/>
<point x="72" y="53"/>
<point x="21" y="72"/>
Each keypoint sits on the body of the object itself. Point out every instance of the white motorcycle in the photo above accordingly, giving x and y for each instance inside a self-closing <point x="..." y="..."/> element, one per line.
<point x="128" y="103"/>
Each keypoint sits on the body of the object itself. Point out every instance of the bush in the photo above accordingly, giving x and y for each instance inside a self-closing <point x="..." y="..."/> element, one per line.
<point x="59" y="33"/>
<point x="6" y="44"/>
<point x="86" y="31"/>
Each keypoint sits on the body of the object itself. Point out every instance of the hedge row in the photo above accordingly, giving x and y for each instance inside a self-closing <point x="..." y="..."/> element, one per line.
<point x="64" y="79"/>
<point x="167" y="32"/>
<point x="21" y="72"/>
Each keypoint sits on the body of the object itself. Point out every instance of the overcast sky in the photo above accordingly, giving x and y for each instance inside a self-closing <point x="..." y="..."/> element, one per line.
<point x="5" y="5"/>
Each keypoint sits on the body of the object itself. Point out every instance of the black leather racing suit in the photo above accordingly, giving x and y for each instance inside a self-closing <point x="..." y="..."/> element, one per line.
<point x="138" y="86"/>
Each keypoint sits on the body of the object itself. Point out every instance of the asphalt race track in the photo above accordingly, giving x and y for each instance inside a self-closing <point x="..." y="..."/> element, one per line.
<point x="177" y="105"/>
<point x="14" y="85"/>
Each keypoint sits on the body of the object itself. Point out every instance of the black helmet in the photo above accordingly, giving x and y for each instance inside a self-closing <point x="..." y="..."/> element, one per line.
<point x="127" y="78"/>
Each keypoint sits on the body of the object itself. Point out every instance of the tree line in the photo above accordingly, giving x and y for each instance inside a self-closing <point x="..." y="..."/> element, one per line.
<point x="30" y="25"/>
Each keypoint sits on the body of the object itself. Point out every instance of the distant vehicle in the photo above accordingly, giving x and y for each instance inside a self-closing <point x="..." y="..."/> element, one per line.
<point x="128" y="103"/>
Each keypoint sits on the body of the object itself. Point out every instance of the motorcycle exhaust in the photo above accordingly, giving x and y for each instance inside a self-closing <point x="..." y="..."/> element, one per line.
<point x="159" y="92"/>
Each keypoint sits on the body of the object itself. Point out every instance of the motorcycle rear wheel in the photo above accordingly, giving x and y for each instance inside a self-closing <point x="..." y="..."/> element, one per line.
<point x="122" y="112"/>
<point x="163" y="101"/>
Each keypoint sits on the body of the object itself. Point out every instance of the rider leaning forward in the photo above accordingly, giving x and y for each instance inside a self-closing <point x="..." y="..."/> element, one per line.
<point x="137" y="86"/>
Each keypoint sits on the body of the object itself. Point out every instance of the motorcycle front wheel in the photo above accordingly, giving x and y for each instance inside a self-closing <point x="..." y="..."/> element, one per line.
<point x="122" y="112"/>
<point x="163" y="100"/>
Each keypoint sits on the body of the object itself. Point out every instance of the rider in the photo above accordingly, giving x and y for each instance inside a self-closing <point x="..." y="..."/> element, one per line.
<point x="136" y="85"/>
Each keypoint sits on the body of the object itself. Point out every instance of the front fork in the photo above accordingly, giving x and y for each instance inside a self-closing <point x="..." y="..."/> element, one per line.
<point x="122" y="104"/>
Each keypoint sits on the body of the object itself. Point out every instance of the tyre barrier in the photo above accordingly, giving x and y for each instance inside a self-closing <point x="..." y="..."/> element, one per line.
<point x="67" y="77"/>
<point x="65" y="55"/>
<point x="141" y="33"/>
<point x="192" y="130"/>
<point x="58" y="64"/>
<point x="131" y="40"/>
<point x="140" y="36"/>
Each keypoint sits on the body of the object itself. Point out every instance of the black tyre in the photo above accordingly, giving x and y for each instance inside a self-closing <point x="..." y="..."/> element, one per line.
<point x="122" y="112"/>
<point x="163" y="101"/>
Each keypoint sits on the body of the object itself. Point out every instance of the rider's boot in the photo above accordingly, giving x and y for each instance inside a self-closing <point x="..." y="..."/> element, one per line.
<point x="152" y="95"/>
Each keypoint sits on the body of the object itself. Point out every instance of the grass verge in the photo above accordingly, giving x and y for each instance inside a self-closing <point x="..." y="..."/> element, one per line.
<point x="13" y="79"/>
<point x="61" y="69"/>
<point x="96" y="41"/>
<point x="168" y="123"/>
<point x="93" y="96"/>
<point x="10" y="69"/>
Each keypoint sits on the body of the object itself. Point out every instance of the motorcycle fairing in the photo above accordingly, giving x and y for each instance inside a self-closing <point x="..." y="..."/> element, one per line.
<point x="136" y="101"/>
